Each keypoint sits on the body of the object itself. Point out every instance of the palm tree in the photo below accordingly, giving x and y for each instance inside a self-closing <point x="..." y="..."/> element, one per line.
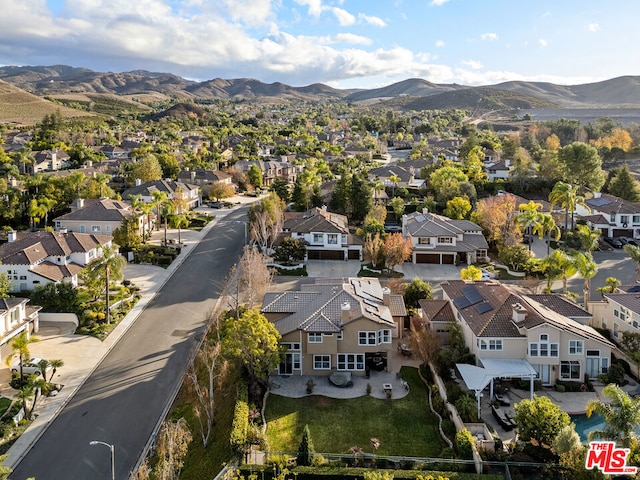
<point x="611" y="285"/>
<point x="24" y="394"/>
<point x="36" y="384"/>
<point x="547" y="225"/>
<point x="159" y="200"/>
<point x="103" y="181"/>
<point x="20" y="345"/>
<point x="563" y="264"/>
<point x="395" y="179"/>
<point x="587" y="268"/>
<point x="37" y="212"/>
<point x="528" y="217"/>
<point x="589" y="239"/>
<point x="110" y="266"/>
<point x="55" y="363"/>
<point x="566" y="195"/>
<point x="621" y="414"/>
<point x="634" y="253"/>
<point x="179" y="221"/>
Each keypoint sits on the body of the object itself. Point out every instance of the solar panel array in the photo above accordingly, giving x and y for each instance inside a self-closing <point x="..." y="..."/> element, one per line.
<point x="471" y="296"/>
<point x="483" y="307"/>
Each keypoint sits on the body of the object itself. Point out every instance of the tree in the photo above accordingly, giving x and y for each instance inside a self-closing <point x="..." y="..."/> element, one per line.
<point x="373" y="248"/>
<point x="631" y="343"/>
<point x="265" y="221"/>
<point x="471" y="273"/>
<point x="160" y="199"/>
<point x="587" y="268"/>
<point x="417" y="290"/>
<point x="55" y="363"/>
<point x="446" y="182"/>
<point x="567" y="440"/>
<point x="624" y="185"/>
<point x="4" y="470"/>
<point x="172" y="448"/>
<point x="467" y="408"/>
<point x="146" y="169"/>
<point x="127" y="235"/>
<point x="397" y="204"/>
<point x="61" y="297"/>
<point x="20" y="345"/>
<point x="394" y="179"/>
<point x="634" y="254"/>
<point x="425" y="341"/>
<point x="180" y="221"/>
<point x="108" y="267"/>
<point x="253" y="342"/>
<point x="396" y="249"/>
<point x="496" y="216"/>
<point x="564" y="264"/>
<point x="220" y="190"/>
<point x="547" y="226"/>
<point x="515" y="257"/>
<point x="566" y="195"/>
<point x="611" y="284"/>
<point x="360" y="197"/>
<point x="621" y="415"/>
<point x="255" y="175"/>
<point x="540" y="420"/>
<point x="528" y="217"/>
<point x="6" y="285"/>
<point x="306" y="451"/>
<point x="589" y="239"/>
<point x="583" y="166"/>
<point x="290" y="251"/>
<point x="457" y="208"/>
<point x="281" y="188"/>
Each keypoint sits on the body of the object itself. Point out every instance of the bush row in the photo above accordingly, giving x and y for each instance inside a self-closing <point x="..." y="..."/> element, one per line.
<point x="240" y="425"/>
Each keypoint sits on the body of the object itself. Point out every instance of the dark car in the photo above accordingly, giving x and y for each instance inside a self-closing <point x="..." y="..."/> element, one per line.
<point x="215" y="205"/>
<point x="392" y="227"/>
<point x="614" y="242"/>
<point x="628" y="241"/>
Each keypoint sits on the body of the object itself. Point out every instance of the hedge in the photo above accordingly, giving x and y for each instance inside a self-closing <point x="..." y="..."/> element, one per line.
<point x="240" y="425"/>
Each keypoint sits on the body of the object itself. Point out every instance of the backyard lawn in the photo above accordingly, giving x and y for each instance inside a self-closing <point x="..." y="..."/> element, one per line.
<point x="404" y="426"/>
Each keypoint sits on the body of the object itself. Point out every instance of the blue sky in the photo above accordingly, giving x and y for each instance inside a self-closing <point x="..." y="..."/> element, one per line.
<point x="343" y="43"/>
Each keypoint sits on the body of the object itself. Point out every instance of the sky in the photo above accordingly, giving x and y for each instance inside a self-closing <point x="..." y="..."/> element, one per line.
<point x="342" y="43"/>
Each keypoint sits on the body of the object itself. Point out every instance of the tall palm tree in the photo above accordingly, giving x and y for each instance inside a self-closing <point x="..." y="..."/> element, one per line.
<point x="159" y="200"/>
<point x="621" y="415"/>
<point x="547" y="226"/>
<point x="395" y="179"/>
<point x="109" y="266"/>
<point x="589" y="239"/>
<point x="36" y="384"/>
<point x="563" y="265"/>
<point x="566" y="195"/>
<point x="611" y="284"/>
<point x="528" y="217"/>
<point x="20" y="345"/>
<point x="179" y="221"/>
<point x="37" y="212"/>
<point x="55" y="363"/>
<point x="634" y="254"/>
<point x="587" y="268"/>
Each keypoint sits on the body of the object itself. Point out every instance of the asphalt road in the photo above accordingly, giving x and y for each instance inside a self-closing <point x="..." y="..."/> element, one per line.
<point x="615" y="263"/>
<point x="123" y="399"/>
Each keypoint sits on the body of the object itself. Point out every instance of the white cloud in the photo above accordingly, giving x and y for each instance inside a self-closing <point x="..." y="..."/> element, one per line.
<point x="542" y="42"/>
<point x="344" y="18"/>
<point x="438" y="3"/>
<point x="489" y="37"/>
<point x="376" y="21"/>
<point x="439" y="43"/>
<point x="593" y="27"/>
<point x="344" y="38"/>
<point x="473" y="64"/>
<point x="251" y="12"/>
<point x="315" y="6"/>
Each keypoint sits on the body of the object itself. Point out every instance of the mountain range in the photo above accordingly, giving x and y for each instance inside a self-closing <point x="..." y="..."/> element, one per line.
<point x="412" y="93"/>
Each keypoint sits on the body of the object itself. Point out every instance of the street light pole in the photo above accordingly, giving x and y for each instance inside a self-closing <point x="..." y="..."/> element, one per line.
<point x="113" y="457"/>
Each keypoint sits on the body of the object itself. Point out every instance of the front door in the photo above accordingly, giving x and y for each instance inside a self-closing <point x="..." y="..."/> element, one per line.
<point x="593" y="363"/>
<point x="286" y="367"/>
<point x="544" y="374"/>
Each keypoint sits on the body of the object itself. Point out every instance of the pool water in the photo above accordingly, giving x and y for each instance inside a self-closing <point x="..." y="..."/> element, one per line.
<point x="584" y="425"/>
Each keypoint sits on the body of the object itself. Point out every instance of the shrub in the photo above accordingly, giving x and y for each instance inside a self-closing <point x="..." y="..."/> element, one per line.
<point x="306" y="451"/>
<point x="560" y="388"/>
<point x="464" y="443"/>
<point x="240" y="426"/>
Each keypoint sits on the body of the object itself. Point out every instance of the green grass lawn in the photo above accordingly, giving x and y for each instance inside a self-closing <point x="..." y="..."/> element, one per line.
<point x="404" y="426"/>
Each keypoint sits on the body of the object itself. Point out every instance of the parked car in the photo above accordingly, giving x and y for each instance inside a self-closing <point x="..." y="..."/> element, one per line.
<point x="392" y="227"/>
<point x="614" y="242"/>
<point x="29" y="367"/>
<point x="628" y="241"/>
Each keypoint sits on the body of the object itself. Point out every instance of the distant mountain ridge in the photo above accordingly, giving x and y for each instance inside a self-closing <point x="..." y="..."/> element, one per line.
<point x="58" y="79"/>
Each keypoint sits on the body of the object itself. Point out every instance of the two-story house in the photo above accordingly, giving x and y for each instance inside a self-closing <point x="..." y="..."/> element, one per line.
<point x="39" y="258"/>
<point x="498" y="322"/>
<point x="325" y="234"/>
<point x="145" y="190"/>
<point x="16" y="316"/>
<point x="100" y="216"/>
<point x="441" y="240"/>
<point x="615" y="216"/>
<point x="618" y="312"/>
<point x="47" y="161"/>
<point x="335" y="325"/>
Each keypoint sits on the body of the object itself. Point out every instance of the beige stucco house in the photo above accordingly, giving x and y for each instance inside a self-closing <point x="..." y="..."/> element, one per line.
<point x="335" y="325"/>
<point x="16" y="316"/>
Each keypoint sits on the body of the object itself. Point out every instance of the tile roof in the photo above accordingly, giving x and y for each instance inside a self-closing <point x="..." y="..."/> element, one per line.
<point x="100" y="210"/>
<point x="437" y="310"/>
<point x="627" y="300"/>
<point x="147" y="188"/>
<point x="55" y="272"/>
<point x="35" y="246"/>
<point x="609" y="204"/>
<point x="561" y="305"/>
<point x="316" y="220"/>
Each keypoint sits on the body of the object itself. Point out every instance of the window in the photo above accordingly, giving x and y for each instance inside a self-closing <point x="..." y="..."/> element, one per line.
<point x="318" y="238"/>
<point x="604" y="364"/>
<point x="612" y="218"/>
<point x="576" y="347"/>
<point x="350" y="361"/>
<point x="544" y="337"/>
<point x="108" y="228"/>
<point x="544" y="349"/>
<point x="481" y="253"/>
<point x="554" y="349"/>
<point x="343" y="239"/>
<point x="322" y="362"/>
<point x="332" y="238"/>
<point x="95" y="228"/>
<point x="636" y="219"/>
<point x="624" y="218"/>
<point x="615" y="330"/>
<point x="533" y="349"/>
<point x="291" y="346"/>
<point x="314" y="337"/>
<point x="424" y="240"/>
<point x="384" y="336"/>
<point x="570" y="370"/>
<point x="445" y="239"/>
<point x="367" y="338"/>
<point x="489" y="344"/>
<point x="83" y="229"/>
<point x="616" y="313"/>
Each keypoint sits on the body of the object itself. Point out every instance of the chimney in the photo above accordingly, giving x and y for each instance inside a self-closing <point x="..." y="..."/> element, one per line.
<point x="89" y="163"/>
<point x="193" y="177"/>
<point x="11" y="236"/>
<point x="138" y="182"/>
<point x="77" y="204"/>
<point x="345" y="312"/>
<point x="519" y="313"/>
<point x="386" y="296"/>
<point x="597" y="194"/>
<point x="63" y="230"/>
<point x="425" y="210"/>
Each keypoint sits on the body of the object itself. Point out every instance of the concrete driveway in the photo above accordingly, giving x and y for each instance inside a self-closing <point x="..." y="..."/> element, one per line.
<point x="434" y="274"/>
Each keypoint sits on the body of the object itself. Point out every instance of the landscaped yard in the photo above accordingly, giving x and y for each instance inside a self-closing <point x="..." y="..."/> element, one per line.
<point x="404" y="427"/>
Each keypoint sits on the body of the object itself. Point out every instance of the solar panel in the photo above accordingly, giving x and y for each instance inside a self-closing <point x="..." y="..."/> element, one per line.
<point x="483" y="307"/>
<point x="599" y="202"/>
<point x="635" y="289"/>
<point x="472" y="294"/>
<point x="461" y="302"/>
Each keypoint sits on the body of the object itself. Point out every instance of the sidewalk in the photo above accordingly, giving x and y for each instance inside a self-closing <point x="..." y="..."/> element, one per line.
<point x="82" y="354"/>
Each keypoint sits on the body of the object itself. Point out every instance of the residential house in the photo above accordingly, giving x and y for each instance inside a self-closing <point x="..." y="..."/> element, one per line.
<point x="615" y="216"/>
<point x="325" y="234"/>
<point x="47" y="161"/>
<point x="498" y="170"/>
<point x="407" y="172"/>
<point x="498" y="322"/>
<point x="335" y="325"/>
<point x="39" y="258"/>
<point x="272" y="170"/>
<point x="441" y="240"/>
<point x="16" y="316"/>
<point x="618" y="312"/>
<point x="204" y="178"/>
<point x="100" y="216"/>
<point x="170" y="187"/>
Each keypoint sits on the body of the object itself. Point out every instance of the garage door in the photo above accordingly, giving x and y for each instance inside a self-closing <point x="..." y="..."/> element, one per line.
<point x="448" y="259"/>
<point x="354" y="254"/>
<point x="619" y="232"/>
<point x="427" y="258"/>
<point x="325" y="255"/>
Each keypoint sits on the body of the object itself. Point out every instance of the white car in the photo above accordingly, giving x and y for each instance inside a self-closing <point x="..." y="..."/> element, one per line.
<point x="29" y="367"/>
<point x="487" y="276"/>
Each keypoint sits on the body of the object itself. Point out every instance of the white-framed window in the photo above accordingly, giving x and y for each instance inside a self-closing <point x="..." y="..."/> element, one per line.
<point x="570" y="370"/>
<point x="533" y="349"/>
<point x="624" y="218"/>
<point x="384" y="336"/>
<point x="544" y="337"/>
<point x="491" y="344"/>
<point x="322" y="362"/>
<point x="615" y="330"/>
<point x="95" y="228"/>
<point x="367" y="338"/>
<point x="314" y="337"/>
<point x="318" y="238"/>
<point x="332" y="238"/>
<point x="576" y="347"/>
<point x="636" y="219"/>
<point x="108" y="227"/>
<point x="292" y="346"/>
<point x="445" y="239"/>
<point x="424" y="240"/>
<point x="495" y="344"/>
<point x="616" y="313"/>
<point x="351" y="361"/>
<point x="544" y="349"/>
<point x="481" y="253"/>
<point x="553" y="350"/>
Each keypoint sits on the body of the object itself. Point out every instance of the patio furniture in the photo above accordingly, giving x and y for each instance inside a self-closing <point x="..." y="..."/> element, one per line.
<point x="503" y="398"/>
<point x="500" y="416"/>
<point x="404" y="349"/>
<point x="387" y="387"/>
<point x="341" y="379"/>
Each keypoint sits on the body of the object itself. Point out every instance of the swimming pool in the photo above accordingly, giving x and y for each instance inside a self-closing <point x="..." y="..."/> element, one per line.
<point x="584" y="425"/>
